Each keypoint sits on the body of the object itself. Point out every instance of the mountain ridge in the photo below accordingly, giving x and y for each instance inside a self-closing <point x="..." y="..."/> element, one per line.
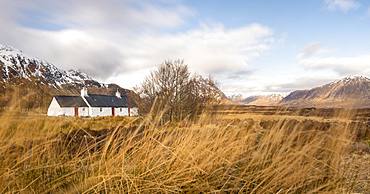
<point x="263" y="100"/>
<point x="18" y="65"/>
<point x="39" y="80"/>
<point x="351" y="91"/>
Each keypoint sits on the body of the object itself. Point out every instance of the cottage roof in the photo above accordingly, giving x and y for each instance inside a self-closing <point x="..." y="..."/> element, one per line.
<point x="106" y="101"/>
<point x="70" y="101"/>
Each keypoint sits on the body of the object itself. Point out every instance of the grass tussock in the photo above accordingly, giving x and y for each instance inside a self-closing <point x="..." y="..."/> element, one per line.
<point x="209" y="155"/>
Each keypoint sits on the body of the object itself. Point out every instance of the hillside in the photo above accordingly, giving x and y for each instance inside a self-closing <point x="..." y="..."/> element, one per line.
<point x="269" y="100"/>
<point x="34" y="80"/>
<point x="350" y="92"/>
<point x="17" y="65"/>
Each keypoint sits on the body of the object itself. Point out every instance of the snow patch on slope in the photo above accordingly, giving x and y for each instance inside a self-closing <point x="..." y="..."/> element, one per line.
<point x="16" y="64"/>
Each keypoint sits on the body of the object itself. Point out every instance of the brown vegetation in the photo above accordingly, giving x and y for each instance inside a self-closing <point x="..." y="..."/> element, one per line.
<point x="172" y="88"/>
<point x="219" y="153"/>
<point x="229" y="149"/>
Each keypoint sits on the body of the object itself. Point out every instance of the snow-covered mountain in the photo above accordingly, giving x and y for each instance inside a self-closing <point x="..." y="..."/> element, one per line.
<point x="348" y="92"/>
<point x="35" y="81"/>
<point x="236" y="98"/>
<point x="267" y="100"/>
<point x="14" y="64"/>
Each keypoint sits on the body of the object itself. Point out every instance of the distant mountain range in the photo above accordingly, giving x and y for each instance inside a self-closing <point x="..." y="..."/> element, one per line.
<point x="45" y="79"/>
<point x="350" y="92"/>
<point x="268" y="100"/>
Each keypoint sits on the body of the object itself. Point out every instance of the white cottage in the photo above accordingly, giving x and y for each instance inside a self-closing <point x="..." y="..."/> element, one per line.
<point x="91" y="105"/>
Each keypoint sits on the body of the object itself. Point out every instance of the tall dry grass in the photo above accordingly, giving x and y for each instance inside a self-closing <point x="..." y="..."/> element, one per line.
<point x="208" y="155"/>
<point x="40" y="154"/>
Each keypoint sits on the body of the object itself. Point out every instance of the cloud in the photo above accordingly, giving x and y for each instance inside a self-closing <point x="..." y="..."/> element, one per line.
<point x="312" y="57"/>
<point x="313" y="49"/>
<point x="208" y="49"/>
<point x="351" y="65"/>
<point x="90" y="14"/>
<point x="302" y="83"/>
<point x="223" y="53"/>
<point x="342" y="5"/>
<point x="68" y="49"/>
<point x="111" y="39"/>
<point x="310" y="49"/>
<point x="242" y="74"/>
<point x="89" y="35"/>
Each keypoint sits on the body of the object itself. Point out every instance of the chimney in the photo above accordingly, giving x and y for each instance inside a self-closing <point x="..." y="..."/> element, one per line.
<point x="84" y="92"/>
<point x="118" y="94"/>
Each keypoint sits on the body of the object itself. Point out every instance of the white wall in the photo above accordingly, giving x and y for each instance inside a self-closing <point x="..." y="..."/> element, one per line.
<point x="83" y="111"/>
<point x="95" y="112"/>
<point x="121" y="111"/>
<point x="54" y="108"/>
<point x="124" y="111"/>
<point x="68" y="111"/>
<point x="107" y="111"/>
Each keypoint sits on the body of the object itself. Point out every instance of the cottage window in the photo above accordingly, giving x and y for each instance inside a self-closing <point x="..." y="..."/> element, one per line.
<point x="120" y="109"/>
<point x="83" y="109"/>
<point x="101" y="109"/>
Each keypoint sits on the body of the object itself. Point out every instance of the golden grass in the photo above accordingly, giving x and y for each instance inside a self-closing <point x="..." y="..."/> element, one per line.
<point x="217" y="153"/>
<point x="213" y="154"/>
<point x="25" y="125"/>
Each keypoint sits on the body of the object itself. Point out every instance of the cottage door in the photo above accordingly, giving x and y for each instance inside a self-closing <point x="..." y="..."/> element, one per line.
<point x="76" y="111"/>
<point x="113" y="113"/>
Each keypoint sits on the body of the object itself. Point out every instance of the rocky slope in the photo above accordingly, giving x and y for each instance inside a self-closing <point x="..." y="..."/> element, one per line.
<point x="269" y="100"/>
<point x="37" y="80"/>
<point x="14" y="64"/>
<point x="348" y="92"/>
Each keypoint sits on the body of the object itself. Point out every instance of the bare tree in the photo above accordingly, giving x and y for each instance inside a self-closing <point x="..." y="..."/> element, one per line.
<point x="172" y="89"/>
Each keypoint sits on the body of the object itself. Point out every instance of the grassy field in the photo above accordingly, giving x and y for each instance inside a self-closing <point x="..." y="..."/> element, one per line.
<point x="223" y="151"/>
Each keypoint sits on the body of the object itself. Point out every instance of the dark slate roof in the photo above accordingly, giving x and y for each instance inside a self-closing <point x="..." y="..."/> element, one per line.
<point x="70" y="101"/>
<point x="106" y="101"/>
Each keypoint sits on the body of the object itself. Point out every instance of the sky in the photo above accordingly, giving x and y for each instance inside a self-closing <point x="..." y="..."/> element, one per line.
<point x="249" y="47"/>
